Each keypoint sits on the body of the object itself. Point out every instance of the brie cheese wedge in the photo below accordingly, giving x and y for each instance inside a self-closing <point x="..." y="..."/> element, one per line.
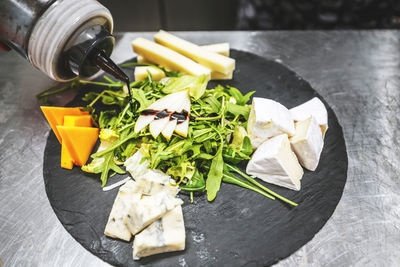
<point x="313" y="107"/>
<point x="274" y="162"/>
<point x="164" y="235"/>
<point x="142" y="72"/>
<point x="116" y="227"/>
<point x="267" y="119"/>
<point x="148" y="210"/>
<point x="307" y="143"/>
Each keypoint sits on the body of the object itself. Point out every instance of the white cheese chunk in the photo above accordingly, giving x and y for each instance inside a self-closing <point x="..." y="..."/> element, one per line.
<point x="164" y="235"/>
<point x="136" y="165"/>
<point x="307" y="143"/>
<point x="149" y="209"/>
<point x="142" y="72"/>
<point x="313" y="107"/>
<point x="164" y="56"/>
<point x="209" y="59"/>
<point x="219" y="48"/>
<point x="116" y="227"/>
<point x="147" y="187"/>
<point x="274" y="162"/>
<point x="268" y="118"/>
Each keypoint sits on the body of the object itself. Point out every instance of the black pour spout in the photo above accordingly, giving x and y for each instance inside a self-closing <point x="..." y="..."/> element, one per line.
<point x="102" y="61"/>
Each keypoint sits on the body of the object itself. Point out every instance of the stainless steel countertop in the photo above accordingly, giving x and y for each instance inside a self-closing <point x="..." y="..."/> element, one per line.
<point x="357" y="73"/>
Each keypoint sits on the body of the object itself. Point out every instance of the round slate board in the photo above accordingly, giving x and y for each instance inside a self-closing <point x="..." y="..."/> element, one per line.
<point x="241" y="227"/>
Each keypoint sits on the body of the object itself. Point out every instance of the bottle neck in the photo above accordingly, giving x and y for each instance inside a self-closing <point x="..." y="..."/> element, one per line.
<point x="68" y="24"/>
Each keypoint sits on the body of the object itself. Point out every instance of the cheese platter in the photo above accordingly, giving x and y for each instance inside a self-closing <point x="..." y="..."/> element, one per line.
<point x="238" y="227"/>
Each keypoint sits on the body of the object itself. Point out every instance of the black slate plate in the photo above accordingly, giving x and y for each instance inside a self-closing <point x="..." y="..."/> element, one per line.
<point x="241" y="227"/>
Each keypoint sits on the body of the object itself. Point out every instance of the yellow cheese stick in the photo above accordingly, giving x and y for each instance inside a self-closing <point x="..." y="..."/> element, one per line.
<point x="220" y="48"/>
<point x="164" y="56"/>
<point x="141" y="73"/>
<point x="220" y="76"/>
<point x="211" y="60"/>
<point x="215" y="75"/>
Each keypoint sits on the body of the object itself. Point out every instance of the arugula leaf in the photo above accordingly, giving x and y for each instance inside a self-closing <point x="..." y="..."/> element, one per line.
<point x="240" y="99"/>
<point x="196" y="183"/>
<point x="238" y="110"/>
<point x="214" y="176"/>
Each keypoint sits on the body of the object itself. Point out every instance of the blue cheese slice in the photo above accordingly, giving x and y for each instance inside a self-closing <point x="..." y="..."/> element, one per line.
<point x="164" y="235"/>
<point x="307" y="143"/>
<point x="274" y="162"/>
<point x="151" y="187"/>
<point x="149" y="209"/>
<point x="313" y="107"/>
<point x="267" y="119"/>
<point x="136" y="165"/>
<point x="116" y="227"/>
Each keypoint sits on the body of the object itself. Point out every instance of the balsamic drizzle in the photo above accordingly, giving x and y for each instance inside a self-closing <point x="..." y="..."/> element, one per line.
<point x="180" y="117"/>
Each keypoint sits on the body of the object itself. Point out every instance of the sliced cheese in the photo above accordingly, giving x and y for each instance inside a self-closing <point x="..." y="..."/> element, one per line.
<point x="183" y="127"/>
<point x="221" y="76"/>
<point x="267" y="119"/>
<point x="55" y="116"/>
<point x="154" y="175"/>
<point x="209" y="59"/>
<point x="219" y="48"/>
<point x="78" y="120"/>
<point x="164" y="56"/>
<point x="67" y="161"/>
<point x="126" y="196"/>
<point x="173" y="101"/>
<point x="142" y="72"/>
<point x="307" y="143"/>
<point x="164" y="235"/>
<point x="148" y="210"/>
<point x="79" y="141"/>
<point x="274" y="162"/>
<point x="175" y="104"/>
<point x="313" y="107"/>
<point x="150" y="187"/>
<point x="136" y="165"/>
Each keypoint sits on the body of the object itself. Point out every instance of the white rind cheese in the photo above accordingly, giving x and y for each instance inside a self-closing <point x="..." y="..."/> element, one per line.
<point x="149" y="209"/>
<point x="116" y="227"/>
<point x="168" y="58"/>
<point x="209" y="59"/>
<point x="307" y="143"/>
<point x="267" y="119"/>
<point x="164" y="235"/>
<point x="274" y="162"/>
<point x="313" y="107"/>
<point x="142" y="72"/>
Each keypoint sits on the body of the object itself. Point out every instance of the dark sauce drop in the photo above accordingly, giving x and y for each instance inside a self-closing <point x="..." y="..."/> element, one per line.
<point x="102" y="61"/>
<point x="162" y="114"/>
<point x="179" y="116"/>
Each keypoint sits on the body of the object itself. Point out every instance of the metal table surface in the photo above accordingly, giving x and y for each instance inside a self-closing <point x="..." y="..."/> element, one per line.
<point x="357" y="73"/>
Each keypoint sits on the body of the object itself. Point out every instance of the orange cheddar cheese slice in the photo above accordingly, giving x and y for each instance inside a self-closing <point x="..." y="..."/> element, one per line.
<point x="78" y="120"/>
<point x="55" y="116"/>
<point x="79" y="141"/>
<point x="67" y="162"/>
